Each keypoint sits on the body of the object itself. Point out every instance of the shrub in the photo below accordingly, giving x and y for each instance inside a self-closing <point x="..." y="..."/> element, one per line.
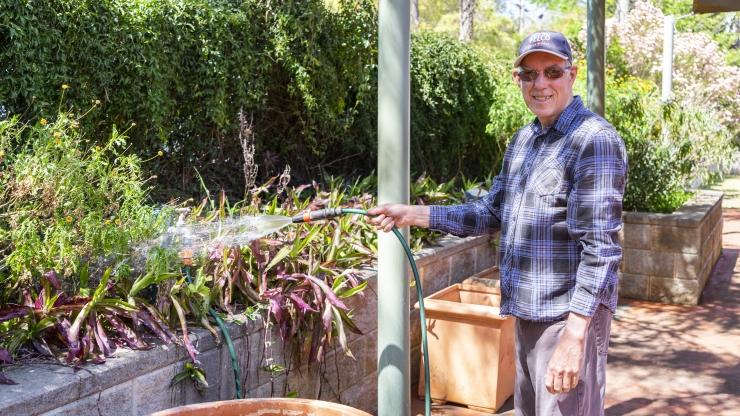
<point x="181" y="70"/>
<point x="451" y="95"/>
<point x="66" y="204"/>
<point x="668" y="145"/>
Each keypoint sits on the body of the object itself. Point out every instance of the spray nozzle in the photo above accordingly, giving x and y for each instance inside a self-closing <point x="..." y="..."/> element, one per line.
<point x="317" y="215"/>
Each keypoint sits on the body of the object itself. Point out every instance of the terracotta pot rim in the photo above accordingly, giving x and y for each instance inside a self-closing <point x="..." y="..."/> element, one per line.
<point x="316" y="404"/>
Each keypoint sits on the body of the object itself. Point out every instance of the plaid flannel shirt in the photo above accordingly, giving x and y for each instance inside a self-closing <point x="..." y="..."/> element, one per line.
<point x="558" y="204"/>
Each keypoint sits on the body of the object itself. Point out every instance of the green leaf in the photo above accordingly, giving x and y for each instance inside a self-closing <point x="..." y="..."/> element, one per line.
<point x="282" y="254"/>
<point x="353" y="290"/>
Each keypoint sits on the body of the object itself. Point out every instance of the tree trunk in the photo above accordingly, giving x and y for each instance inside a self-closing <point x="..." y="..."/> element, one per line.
<point x="414" y="14"/>
<point x="467" y="13"/>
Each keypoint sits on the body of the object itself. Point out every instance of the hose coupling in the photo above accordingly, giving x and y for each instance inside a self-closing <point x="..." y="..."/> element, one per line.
<point x="317" y="215"/>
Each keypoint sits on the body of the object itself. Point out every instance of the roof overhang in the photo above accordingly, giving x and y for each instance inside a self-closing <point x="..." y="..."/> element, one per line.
<point x="716" y="6"/>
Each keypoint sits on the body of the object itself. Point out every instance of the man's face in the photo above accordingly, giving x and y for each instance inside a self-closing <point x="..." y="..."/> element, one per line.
<point x="546" y="96"/>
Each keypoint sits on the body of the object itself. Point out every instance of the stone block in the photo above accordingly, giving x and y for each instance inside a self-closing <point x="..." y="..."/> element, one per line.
<point x="633" y="286"/>
<point x="645" y="262"/>
<point x="85" y="406"/>
<point x="676" y="291"/>
<point x="637" y="236"/>
<point x="211" y="363"/>
<point x="305" y="382"/>
<point x="688" y="266"/>
<point x="435" y="277"/>
<point x="364" y="311"/>
<point x="153" y="391"/>
<point x="462" y="266"/>
<point x="56" y="385"/>
<point x="127" y="364"/>
<point x="677" y="239"/>
<point x="272" y="388"/>
<point x="363" y="395"/>
<point x="115" y="401"/>
<point x="485" y="257"/>
<point x="226" y="385"/>
<point x="370" y="364"/>
<point x="341" y="371"/>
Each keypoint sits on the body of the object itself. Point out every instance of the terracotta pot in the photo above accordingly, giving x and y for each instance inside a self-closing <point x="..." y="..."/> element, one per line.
<point x="263" y="407"/>
<point x="471" y="348"/>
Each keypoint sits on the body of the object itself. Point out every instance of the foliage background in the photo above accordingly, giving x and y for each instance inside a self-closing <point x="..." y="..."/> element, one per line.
<point x="181" y="70"/>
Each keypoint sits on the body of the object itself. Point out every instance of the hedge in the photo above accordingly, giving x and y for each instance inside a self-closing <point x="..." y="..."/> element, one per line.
<point x="181" y="70"/>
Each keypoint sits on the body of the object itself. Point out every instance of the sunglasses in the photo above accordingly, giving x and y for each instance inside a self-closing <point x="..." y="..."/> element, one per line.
<point x="551" y="72"/>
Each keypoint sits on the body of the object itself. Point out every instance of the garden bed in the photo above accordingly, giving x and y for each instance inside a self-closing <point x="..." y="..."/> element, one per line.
<point x="138" y="382"/>
<point x="668" y="257"/>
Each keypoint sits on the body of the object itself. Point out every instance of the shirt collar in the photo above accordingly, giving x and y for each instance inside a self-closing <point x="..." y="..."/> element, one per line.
<point x="566" y="117"/>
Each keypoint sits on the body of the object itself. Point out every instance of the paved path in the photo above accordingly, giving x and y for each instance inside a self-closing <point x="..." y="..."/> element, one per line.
<point x="675" y="360"/>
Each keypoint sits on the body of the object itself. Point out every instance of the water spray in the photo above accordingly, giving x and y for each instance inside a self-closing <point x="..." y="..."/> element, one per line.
<point x="246" y="229"/>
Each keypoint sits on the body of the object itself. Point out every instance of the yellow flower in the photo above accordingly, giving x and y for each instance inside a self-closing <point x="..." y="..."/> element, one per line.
<point x="107" y="221"/>
<point x="118" y="221"/>
<point x="57" y="134"/>
<point x="68" y="218"/>
<point x="2" y="153"/>
<point x="65" y="86"/>
<point x="43" y="122"/>
<point x="58" y="142"/>
<point x="160" y="153"/>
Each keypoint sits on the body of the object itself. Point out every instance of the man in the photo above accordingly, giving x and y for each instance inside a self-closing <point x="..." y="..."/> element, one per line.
<point x="558" y="204"/>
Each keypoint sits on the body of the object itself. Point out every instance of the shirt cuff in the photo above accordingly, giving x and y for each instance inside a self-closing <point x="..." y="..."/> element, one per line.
<point x="583" y="302"/>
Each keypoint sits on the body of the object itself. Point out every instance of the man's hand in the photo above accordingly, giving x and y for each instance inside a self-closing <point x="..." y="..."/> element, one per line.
<point x="385" y="216"/>
<point x="564" y="367"/>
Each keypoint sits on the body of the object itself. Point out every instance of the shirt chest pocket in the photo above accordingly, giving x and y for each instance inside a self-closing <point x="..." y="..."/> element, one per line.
<point x="549" y="179"/>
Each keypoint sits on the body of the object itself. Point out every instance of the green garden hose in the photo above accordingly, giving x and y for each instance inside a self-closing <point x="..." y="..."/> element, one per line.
<point x="333" y="212"/>
<point x="227" y="337"/>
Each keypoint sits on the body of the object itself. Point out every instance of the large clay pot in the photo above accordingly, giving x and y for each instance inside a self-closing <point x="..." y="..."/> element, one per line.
<point x="264" y="407"/>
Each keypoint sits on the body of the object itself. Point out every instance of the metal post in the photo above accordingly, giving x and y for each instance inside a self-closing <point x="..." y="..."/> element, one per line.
<point x="595" y="56"/>
<point x="668" y="23"/>
<point x="394" y="390"/>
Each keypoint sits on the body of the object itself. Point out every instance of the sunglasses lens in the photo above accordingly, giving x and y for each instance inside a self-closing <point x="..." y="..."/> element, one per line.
<point x="554" y="73"/>
<point x="527" y="76"/>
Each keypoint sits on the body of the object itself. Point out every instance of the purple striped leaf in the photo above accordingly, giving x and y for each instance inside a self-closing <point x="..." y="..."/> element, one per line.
<point x="13" y="312"/>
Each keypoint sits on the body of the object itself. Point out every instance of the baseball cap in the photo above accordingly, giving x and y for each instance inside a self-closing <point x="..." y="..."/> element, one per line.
<point x="553" y="43"/>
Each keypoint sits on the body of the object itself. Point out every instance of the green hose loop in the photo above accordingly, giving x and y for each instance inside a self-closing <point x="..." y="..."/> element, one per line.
<point x="227" y="337"/>
<point x="422" y="317"/>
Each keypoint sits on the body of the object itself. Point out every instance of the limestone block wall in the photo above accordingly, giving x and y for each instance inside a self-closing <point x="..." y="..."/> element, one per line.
<point x="668" y="257"/>
<point x="138" y="382"/>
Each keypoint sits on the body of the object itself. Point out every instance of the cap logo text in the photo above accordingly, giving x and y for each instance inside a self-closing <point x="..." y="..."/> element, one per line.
<point x="539" y="37"/>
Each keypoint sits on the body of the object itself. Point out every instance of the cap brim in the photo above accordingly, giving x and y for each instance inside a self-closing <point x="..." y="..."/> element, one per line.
<point x="519" y="59"/>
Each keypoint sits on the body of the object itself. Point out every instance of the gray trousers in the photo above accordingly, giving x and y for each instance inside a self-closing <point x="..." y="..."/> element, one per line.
<point x="535" y="342"/>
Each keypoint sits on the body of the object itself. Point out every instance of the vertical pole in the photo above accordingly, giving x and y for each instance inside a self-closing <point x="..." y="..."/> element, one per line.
<point x="667" y="77"/>
<point x="595" y="56"/>
<point x="394" y="391"/>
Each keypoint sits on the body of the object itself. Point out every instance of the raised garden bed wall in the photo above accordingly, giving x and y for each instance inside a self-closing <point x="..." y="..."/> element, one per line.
<point x="668" y="257"/>
<point x="138" y="382"/>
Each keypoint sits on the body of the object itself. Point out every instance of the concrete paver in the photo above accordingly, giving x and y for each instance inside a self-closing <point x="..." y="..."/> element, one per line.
<point x="669" y="359"/>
